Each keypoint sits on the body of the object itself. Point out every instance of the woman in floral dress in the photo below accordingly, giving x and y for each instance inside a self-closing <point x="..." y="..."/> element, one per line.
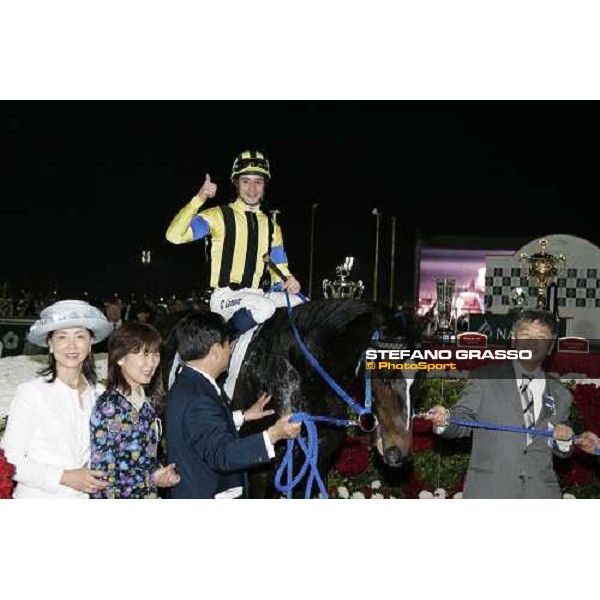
<point x="125" y="428"/>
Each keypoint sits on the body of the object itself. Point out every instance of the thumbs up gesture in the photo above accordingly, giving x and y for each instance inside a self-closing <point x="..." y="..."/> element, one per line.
<point x="208" y="189"/>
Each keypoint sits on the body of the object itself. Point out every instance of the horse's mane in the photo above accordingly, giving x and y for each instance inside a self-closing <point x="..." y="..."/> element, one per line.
<point x="338" y="327"/>
<point x="331" y="314"/>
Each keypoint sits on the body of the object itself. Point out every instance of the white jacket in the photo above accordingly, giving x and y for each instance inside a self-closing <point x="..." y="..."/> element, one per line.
<point x="47" y="433"/>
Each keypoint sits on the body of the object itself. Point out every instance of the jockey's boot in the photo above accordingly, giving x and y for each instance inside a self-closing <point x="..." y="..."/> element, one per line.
<point x="236" y="360"/>
<point x="241" y="321"/>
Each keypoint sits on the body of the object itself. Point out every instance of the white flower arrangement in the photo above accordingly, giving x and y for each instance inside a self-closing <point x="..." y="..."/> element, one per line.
<point x="438" y="494"/>
<point x="343" y="493"/>
<point x="15" y="370"/>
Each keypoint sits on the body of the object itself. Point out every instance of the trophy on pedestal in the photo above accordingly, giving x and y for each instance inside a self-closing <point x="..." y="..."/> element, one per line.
<point x="445" y="288"/>
<point x="341" y="286"/>
<point x="542" y="267"/>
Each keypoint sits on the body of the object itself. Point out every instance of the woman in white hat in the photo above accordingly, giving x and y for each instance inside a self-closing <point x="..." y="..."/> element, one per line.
<point x="47" y="434"/>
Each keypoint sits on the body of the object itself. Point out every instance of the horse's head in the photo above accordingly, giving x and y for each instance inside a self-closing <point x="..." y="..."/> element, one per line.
<point x="391" y="405"/>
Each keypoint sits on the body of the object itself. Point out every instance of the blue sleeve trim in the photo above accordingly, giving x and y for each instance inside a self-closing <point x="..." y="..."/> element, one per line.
<point x="278" y="255"/>
<point x="200" y="227"/>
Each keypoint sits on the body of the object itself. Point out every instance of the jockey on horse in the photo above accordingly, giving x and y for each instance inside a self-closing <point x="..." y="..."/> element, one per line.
<point x="241" y="233"/>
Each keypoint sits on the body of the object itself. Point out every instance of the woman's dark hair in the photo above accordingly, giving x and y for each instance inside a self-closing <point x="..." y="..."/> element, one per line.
<point x="197" y="332"/>
<point x="134" y="337"/>
<point x="88" y="368"/>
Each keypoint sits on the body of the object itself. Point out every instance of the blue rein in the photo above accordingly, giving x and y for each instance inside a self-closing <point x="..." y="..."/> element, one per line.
<point x="355" y="406"/>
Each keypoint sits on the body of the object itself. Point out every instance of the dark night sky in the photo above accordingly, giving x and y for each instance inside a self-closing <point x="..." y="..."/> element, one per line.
<point x="86" y="186"/>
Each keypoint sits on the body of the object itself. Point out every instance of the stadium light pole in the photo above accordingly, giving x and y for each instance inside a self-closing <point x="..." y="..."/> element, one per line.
<point x="146" y="260"/>
<point x="377" y="214"/>
<point x="312" y="247"/>
<point x="393" y="261"/>
<point x="274" y="212"/>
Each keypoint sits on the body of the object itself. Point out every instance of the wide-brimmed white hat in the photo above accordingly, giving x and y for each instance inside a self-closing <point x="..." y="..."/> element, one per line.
<point x="66" y="314"/>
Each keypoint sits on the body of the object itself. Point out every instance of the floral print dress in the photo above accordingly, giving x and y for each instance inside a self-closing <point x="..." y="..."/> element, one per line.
<point x="124" y="446"/>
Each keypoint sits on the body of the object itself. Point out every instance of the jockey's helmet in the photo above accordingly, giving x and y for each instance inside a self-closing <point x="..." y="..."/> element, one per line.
<point x="250" y="162"/>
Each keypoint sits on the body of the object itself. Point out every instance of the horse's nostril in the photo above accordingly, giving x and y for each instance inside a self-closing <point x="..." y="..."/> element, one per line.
<point x="392" y="456"/>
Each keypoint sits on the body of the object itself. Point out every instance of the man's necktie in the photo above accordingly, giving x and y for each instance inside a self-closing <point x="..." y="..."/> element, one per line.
<point x="226" y="399"/>
<point x="527" y="404"/>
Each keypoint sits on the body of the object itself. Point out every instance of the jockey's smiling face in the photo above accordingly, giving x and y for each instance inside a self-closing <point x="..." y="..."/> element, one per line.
<point x="251" y="189"/>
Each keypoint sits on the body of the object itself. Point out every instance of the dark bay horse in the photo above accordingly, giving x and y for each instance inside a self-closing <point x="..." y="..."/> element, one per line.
<point x="337" y="332"/>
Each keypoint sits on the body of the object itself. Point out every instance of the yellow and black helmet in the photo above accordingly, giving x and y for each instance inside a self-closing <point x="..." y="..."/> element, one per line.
<point x="250" y="162"/>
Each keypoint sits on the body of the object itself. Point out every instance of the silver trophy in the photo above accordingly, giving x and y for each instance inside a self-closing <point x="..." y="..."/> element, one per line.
<point x="341" y="286"/>
<point x="445" y="288"/>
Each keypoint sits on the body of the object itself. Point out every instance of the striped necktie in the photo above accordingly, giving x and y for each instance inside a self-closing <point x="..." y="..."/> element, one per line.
<point x="527" y="404"/>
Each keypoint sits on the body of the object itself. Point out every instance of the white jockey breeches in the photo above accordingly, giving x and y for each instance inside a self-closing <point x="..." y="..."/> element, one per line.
<point x="227" y="302"/>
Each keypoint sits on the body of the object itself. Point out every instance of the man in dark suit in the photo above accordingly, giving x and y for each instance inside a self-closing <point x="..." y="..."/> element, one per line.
<point x="203" y="441"/>
<point x="516" y="393"/>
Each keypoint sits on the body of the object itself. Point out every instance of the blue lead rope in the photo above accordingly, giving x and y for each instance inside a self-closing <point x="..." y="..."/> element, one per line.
<point x="507" y="428"/>
<point x="368" y="395"/>
<point x="495" y="427"/>
<point x="310" y="447"/>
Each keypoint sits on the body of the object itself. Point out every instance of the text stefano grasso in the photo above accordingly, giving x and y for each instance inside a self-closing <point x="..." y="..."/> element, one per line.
<point x="452" y="354"/>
